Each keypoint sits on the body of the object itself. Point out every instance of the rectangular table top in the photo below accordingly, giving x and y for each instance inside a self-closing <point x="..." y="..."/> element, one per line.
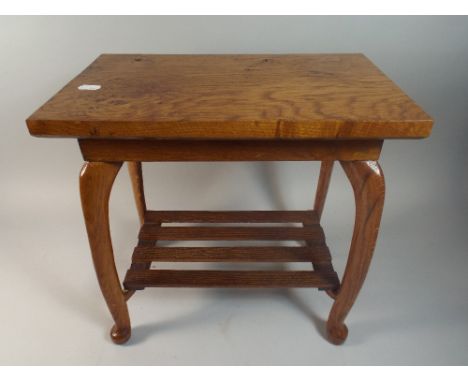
<point x="297" y="96"/>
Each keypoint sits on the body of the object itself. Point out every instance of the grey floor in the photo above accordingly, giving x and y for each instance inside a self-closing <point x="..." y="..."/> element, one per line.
<point x="412" y="309"/>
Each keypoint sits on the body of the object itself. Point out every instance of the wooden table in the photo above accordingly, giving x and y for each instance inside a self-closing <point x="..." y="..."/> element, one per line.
<point x="152" y="108"/>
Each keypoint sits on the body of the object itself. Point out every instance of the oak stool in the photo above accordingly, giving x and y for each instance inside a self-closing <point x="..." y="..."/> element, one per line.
<point x="298" y="107"/>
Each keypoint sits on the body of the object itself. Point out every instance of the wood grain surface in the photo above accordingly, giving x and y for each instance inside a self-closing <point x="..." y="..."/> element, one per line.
<point x="326" y="169"/>
<point x="175" y="150"/>
<point x="156" y="232"/>
<point x="229" y="279"/>
<point x="259" y="216"/>
<point x="135" y="172"/>
<point x="270" y="254"/>
<point x="323" y="96"/>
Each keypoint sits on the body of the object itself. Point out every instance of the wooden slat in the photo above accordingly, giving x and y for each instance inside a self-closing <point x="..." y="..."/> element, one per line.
<point x="318" y="254"/>
<point x="229" y="279"/>
<point x="156" y="232"/>
<point x="308" y="217"/>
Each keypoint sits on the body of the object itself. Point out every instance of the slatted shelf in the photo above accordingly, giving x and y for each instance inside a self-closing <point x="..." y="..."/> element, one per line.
<point x="154" y="230"/>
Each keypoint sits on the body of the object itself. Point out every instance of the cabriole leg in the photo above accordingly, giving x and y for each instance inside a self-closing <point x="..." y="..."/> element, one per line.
<point x="368" y="184"/>
<point x="96" y="180"/>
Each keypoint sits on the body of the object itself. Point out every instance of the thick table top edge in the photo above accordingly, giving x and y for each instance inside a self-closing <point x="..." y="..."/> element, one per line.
<point x="231" y="129"/>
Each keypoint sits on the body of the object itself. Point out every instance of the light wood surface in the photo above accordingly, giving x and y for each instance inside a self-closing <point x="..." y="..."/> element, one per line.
<point x="324" y="96"/>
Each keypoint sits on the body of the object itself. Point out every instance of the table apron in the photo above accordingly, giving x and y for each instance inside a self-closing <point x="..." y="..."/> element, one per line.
<point x="108" y="150"/>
